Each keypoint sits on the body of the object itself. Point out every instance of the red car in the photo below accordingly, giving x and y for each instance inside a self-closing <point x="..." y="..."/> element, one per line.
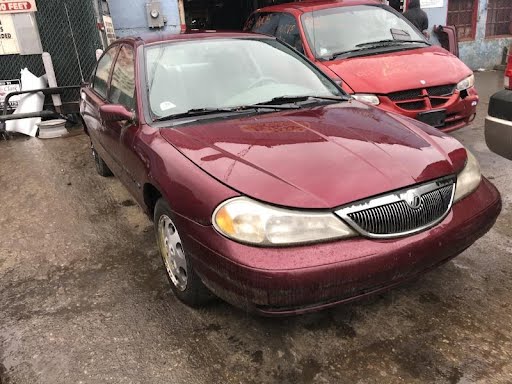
<point x="378" y="57"/>
<point x="268" y="185"/>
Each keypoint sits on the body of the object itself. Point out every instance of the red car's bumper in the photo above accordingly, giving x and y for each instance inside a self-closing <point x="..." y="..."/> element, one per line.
<point x="459" y="111"/>
<point x="295" y="280"/>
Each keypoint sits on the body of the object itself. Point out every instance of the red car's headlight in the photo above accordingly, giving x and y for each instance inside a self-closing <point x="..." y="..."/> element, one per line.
<point x="469" y="179"/>
<point x="249" y="221"/>
<point x="467" y="83"/>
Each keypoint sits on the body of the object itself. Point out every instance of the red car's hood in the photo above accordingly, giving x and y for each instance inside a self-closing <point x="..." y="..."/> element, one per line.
<point x="398" y="71"/>
<point x="322" y="157"/>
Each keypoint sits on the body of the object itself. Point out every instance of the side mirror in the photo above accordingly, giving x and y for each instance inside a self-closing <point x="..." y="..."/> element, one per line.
<point x="116" y="112"/>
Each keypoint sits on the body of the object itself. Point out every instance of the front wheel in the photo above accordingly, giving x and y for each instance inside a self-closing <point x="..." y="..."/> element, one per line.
<point x="185" y="283"/>
<point x="101" y="167"/>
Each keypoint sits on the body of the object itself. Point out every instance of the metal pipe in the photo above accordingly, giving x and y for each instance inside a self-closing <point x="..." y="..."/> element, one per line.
<point x="16" y="116"/>
<point x="19" y="116"/>
<point x="44" y="91"/>
<point x="52" y="80"/>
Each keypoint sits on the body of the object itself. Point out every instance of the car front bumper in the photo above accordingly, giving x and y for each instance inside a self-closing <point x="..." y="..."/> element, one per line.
<point x="459" y="111"/>
<point x="293" y="280"/>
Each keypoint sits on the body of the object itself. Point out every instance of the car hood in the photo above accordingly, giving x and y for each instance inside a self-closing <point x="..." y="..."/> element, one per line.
<point x="321" y="157"/>
<point x="397" y="71"/>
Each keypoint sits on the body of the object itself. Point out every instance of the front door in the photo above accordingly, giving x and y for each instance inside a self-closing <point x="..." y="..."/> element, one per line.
<point x="120" y="134"/>
<point x="93" y="98"/>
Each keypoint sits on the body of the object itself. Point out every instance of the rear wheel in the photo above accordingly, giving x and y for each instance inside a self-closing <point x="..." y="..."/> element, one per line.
<point x="101" y="167"/>
<point x="185" y="283"/>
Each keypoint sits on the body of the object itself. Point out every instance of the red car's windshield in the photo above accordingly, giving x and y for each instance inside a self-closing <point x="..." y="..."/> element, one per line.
<point x="227" y="73"/>
<point x="338" y="30"/>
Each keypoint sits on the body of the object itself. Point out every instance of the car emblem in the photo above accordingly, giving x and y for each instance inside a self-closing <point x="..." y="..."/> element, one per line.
<point x="423" y="82"/>
<point x="413" y="200"/>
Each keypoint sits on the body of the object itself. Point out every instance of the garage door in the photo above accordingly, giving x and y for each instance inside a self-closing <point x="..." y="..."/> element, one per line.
<point x="221" y="15"/>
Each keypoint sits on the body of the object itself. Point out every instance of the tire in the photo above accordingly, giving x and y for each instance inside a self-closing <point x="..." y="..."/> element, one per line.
<point x="101" y="167"/>
<point x="185" y="283"/>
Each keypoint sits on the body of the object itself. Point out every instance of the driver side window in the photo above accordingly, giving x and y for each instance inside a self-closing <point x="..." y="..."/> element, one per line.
<point x="288" y="31"/>
<point x="122" y="87"/>
<point x="265" y="23"/>
<point x="101" y="76"/>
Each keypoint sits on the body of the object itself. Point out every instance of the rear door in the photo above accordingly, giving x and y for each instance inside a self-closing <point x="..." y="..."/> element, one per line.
<point x="93" y="98"/>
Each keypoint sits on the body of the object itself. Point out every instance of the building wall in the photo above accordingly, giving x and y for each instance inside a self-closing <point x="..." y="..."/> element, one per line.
<point x="129" y="16"/>
<point x="480" y="53"/>
<point x="483" y="52"/>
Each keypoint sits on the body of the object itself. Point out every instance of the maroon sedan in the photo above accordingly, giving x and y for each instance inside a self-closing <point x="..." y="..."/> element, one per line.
<point x="270" y="187"/>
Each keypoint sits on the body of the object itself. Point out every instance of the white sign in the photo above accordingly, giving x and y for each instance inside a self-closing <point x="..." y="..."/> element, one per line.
<point x="6" y="87"/>
<point x="13" y="6"/>
<point x="8" y="39"/>
<point x="432" y="3"/>
<point x="109" y="29"/>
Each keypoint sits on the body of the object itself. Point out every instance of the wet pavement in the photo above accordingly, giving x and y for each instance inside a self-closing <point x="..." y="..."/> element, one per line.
<point x="84" y="299"/>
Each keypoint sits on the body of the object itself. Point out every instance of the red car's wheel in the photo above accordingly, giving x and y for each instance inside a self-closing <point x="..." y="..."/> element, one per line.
<point x="185" y="283"/>
<point x="101" y="167"/>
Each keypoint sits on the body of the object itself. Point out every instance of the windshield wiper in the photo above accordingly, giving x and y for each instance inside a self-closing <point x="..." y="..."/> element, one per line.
<point x="385" y="43"/>
<point x="209" y="111"/>
<point x="376" y="44"/>
<point x="297" y="99"/>
<point x="195" y="112"/>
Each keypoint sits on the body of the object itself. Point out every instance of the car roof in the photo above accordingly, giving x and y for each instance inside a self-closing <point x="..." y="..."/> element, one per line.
<point x="153" y="38"/>
<point x="312" y="5"/>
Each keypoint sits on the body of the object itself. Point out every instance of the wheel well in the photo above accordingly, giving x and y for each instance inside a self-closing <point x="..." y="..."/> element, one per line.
<point x="151" y="196"/>
<point x="84" y="125"/>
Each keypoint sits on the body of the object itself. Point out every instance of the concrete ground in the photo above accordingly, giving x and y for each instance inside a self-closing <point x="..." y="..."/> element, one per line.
<point x="84" y="298"/>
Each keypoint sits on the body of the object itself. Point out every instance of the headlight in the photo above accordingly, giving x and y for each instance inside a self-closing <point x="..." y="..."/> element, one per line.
<point x="469" y="179"/>
<point x="367" y="98"/>
<point x="467" y="83"/>
<point x="248" y="221"/>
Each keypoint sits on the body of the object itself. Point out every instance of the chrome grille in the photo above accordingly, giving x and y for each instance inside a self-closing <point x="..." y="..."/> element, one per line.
<point x="395" y="214"/>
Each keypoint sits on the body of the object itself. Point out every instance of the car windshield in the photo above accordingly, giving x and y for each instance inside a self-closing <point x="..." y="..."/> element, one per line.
<point x="227" y="73"/>
<point x="334" y="31"/>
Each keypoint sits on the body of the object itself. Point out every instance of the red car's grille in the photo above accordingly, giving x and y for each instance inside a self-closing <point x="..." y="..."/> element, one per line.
<point x="443" y="90"/>
<point x="402" y="212"/>
<point x="406" y="95"/>
<point x="400" y="218"/>
<point x="413" y="105"/>
<point x="417" y="99"/>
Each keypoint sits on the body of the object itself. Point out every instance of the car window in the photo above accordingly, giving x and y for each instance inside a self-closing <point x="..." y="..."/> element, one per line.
<point x="288" y="31"/>
<point x="122" y="88"/>
<point x="344" y="29"/>
<point x="266" y="23"/>
<point x="246" y="72"/>
<point x="100" y="80"/>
